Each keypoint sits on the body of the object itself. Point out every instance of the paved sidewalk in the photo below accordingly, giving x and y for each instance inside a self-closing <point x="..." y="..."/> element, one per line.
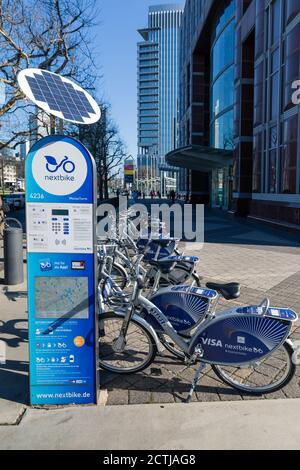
<point x="266" y="261"/>
<point x="273" y="424"/>
<point x="14" y="390"/>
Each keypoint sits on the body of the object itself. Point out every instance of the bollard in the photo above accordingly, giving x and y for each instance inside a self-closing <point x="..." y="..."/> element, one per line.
<point x="13" y="253"/>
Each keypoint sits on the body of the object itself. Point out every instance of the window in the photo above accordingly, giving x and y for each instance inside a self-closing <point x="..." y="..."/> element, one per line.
<point x="292" y="8"/>
<point x="289" y="155"/>
<point x="148" y="91"/>
<point x="150" y="119"/>
<point x="223" y="50"/>
<point x="147" y="99"/>
<point x="150" y="106"/>
<point x="223" y="92"/>
<point x="274" y="96"/>
<point x="258" y="94"/>
<point x="222" y="132"/>
<point x="222" y="89"/>
<point x="292" y="65"/>
<point x="276" y="21"/>
<point x="188" y="85"/>
<point x="149" y="126"/>
<point x="257" y="156"/>
<point x="273" y="145"/>
<point x="148" y="133"/>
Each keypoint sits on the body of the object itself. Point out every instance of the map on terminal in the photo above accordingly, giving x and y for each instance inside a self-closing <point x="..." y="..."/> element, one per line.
<point x="56" y="297"/>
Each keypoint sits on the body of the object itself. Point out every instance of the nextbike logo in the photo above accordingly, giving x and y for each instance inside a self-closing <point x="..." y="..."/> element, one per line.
<point x="46" y="265"/>
<point x="178" y="320"/>
<point x="59" y="168"/>
<point x="217" y="343"/>
<point x="52" y="166"/>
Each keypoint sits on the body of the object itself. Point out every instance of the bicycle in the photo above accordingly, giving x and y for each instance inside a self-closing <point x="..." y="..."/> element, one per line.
<point x="240" y="344"/>
<point x="183" y="268"/>
<point x="121" y="265"/>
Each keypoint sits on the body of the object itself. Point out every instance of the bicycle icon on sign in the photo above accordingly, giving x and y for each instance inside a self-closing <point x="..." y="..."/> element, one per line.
<point x="52" y="166"/>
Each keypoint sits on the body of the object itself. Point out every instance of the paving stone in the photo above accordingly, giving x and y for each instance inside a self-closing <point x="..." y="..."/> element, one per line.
<point x="181" y="396"/>
<point x="279" y="394"/>
<point x="163" y="395"/>
<point x="208" y="389"/>
<point x="137" y="397"/>
<point x="117" y="397"/>
<point x="148" y="383"/>
<point x="292" y="390"/>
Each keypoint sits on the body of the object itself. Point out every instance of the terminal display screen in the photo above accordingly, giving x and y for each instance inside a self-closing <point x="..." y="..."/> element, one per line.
<point x="57" y="297"/>
<point x="60" y="212"/>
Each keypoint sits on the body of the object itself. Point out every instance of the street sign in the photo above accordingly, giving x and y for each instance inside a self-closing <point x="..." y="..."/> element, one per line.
<point x="129" y="170"/>
<point x="60" y="217"/>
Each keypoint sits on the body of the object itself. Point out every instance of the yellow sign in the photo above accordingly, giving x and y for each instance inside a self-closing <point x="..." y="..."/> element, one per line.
<point x="79" y="341"/>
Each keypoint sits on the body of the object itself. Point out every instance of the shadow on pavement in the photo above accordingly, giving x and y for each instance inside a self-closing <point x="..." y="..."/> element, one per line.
<point x="14" y="382"/>
<point x="11" y="328"/>
<point x="13" y="295"/>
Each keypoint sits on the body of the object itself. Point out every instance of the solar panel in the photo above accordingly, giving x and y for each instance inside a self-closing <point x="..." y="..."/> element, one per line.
<point x="59" y="96"/>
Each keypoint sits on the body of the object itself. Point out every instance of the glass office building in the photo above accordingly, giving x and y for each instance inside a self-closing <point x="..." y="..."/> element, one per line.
<point x="239" y="126"/>
<point x="158" y="89"/>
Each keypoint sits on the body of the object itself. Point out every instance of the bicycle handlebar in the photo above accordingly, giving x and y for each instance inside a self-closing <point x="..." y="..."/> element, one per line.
<point x="265" y="306"/>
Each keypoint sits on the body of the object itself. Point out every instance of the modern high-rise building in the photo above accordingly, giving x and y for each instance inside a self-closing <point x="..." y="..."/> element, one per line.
<point x="158" y="90"/>
<point x="239" y="124"/>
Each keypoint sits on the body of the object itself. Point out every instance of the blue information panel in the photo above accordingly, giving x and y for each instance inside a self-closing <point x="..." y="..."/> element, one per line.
<point x="60" y="214"/>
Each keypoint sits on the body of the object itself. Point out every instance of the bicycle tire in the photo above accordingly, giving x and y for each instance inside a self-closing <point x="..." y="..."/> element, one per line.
<point x="107" y="348"/>
<point x="260" y="389"/>
<point x="119" y="276"/>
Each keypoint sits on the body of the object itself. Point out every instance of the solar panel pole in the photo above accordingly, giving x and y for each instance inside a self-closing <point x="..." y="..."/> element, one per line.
<point x="60" y="126"/>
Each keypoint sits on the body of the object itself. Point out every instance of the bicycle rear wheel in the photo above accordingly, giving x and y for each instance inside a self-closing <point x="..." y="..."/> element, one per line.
<point x="270" y="374"/>
<point x="139" y="352"/>
<point x="119" y="276"/>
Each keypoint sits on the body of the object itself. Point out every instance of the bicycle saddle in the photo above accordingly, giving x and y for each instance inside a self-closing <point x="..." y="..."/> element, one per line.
<point x="163" y="242"/>
<point x="228" y="291"/>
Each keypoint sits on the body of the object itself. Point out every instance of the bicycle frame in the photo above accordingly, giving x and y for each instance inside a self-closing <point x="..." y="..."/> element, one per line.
<point x="163" y="322"/>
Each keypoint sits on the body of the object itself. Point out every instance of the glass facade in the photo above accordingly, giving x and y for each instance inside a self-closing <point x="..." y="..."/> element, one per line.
<point x="222" y="78"/>
<point x="239" y="67"/>
<point x="158" y="83"/>
<point x="276" y="118"/>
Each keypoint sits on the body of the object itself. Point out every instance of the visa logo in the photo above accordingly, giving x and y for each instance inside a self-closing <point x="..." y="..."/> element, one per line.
<point x="212" y="342"/>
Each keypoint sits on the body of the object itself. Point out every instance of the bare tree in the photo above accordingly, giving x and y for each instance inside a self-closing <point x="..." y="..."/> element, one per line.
<point x="47" y="34"/>
<point x="104" y="142"/>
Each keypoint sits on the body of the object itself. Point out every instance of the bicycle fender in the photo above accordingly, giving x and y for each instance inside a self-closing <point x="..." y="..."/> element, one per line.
<point x="125" y="273"/>
<point x="151" y="330"/>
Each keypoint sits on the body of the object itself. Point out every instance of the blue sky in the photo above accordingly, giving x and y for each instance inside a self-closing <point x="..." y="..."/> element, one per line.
<point x="116" y="45"/>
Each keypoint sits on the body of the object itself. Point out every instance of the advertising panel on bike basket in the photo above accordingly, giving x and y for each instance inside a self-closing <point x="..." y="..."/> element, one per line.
<point x="61" y="216"/>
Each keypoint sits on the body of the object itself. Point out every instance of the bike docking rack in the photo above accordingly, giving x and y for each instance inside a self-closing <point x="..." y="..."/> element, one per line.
<point x="137" y="319"/>
<point x="61" y="249"/>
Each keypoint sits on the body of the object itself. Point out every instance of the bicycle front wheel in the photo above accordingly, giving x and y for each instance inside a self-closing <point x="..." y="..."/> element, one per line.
<point x="139" y="351"/>
<point x="270" y="374"/>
